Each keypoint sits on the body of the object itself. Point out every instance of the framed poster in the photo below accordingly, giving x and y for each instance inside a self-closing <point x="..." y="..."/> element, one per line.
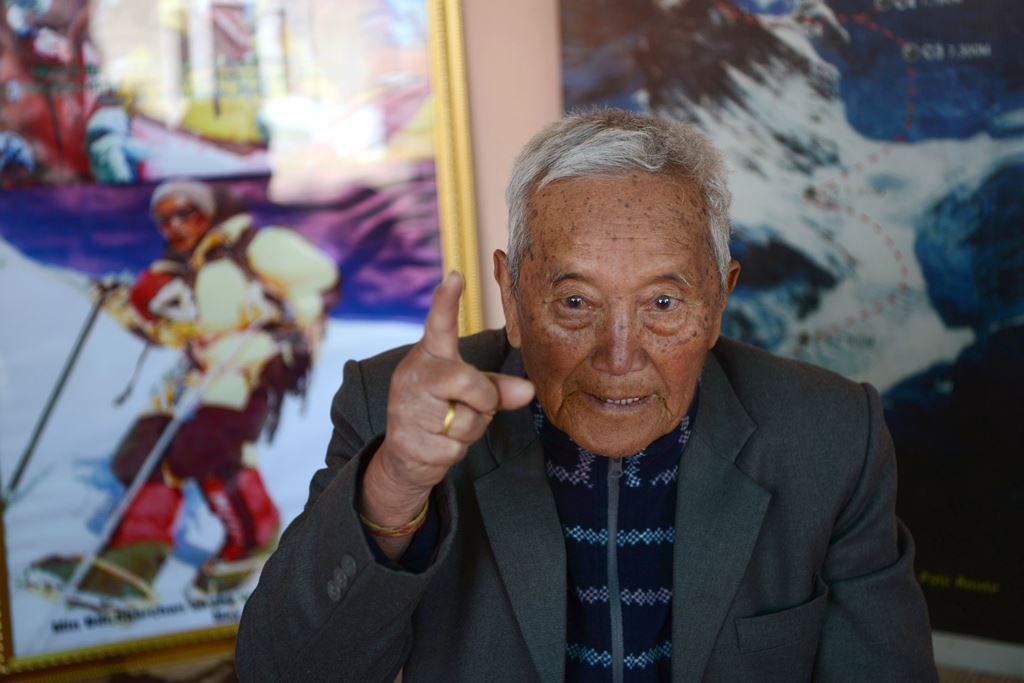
<point x="207" y="207"/>
<point x="876" y="150"/>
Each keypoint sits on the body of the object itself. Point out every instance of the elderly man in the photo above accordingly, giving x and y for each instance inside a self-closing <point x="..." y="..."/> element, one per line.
<point x="671" y="505"/>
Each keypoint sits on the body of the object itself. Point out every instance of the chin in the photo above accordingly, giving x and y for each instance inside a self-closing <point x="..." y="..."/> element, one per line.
<point x="610" y="442"/>
<point x="615" y="454"/>
<point x="612" y="431"/>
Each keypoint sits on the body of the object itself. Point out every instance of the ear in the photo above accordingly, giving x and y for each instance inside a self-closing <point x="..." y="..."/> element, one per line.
<point x="732" y="276"/>
<point x="508" y="298"/>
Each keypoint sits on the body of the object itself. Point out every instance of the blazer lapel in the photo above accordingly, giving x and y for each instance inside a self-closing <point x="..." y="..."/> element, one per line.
<point x="719" y="511"/>
<point x="519" y="514"/>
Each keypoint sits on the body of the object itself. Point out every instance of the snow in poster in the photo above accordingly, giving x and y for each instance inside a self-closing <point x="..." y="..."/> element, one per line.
<point x="203" y="323"/>
<point x="877" y="154"/>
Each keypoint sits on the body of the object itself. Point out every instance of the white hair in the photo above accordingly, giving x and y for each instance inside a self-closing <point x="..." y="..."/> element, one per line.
<point x="612" y="142"/>
<point x="200" y="194"/>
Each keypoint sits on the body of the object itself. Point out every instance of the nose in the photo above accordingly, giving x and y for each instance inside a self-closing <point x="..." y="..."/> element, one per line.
<point x="171" y="223"/>
<point x="619" y="350"/>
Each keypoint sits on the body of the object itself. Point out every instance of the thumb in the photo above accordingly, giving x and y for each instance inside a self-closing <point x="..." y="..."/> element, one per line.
<point x="513" y="392"/>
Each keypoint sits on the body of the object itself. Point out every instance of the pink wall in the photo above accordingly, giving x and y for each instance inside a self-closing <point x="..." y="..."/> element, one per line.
<point x="513" y="68"/>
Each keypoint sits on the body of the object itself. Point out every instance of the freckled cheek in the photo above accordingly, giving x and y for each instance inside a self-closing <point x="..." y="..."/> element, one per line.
<point x="675" y="333"/>
<point x="553" y="354"/>
<point x="549" y="328"/>
<point x="559" y="349"/>
<point x="666" y="346"/>
<point x="678" y="371"/>
<point x="677" y="349"/>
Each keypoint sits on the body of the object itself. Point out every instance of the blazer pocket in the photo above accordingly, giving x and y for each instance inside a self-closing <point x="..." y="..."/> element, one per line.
<point x="793" y="625"/>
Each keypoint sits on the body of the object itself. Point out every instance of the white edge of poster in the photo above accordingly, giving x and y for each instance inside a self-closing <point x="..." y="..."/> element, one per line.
<point x="957" y="651"/>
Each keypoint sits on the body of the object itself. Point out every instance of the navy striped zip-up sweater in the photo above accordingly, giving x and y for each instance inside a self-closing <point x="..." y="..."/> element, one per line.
<point x="617" y="517"/>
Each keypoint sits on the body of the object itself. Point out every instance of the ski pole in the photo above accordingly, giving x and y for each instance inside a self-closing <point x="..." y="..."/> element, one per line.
<point x="62" y="379"/>
<point x="123" y="396"/>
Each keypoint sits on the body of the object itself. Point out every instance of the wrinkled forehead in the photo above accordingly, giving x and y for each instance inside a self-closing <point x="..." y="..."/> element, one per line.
<point x="631" y="221"/>
<point x="632" y="202"/>
<point x="663" y="189"/>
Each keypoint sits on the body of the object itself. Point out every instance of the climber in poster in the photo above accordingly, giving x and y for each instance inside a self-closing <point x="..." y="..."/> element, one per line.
<point x="246" y="307"/>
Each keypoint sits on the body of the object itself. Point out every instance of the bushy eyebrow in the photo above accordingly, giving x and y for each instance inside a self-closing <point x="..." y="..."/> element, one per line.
<point x="678" y="278"/>
<point x="566" y="275"/>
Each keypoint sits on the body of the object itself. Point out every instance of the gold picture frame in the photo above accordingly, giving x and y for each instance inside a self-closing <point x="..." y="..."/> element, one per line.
<point x="455" y="206"/>
<point x="456" y="193"/>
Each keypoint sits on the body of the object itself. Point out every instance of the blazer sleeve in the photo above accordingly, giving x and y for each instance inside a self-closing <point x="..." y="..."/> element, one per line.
<point x="325" y="608"/>
<point x="876" y="622"/>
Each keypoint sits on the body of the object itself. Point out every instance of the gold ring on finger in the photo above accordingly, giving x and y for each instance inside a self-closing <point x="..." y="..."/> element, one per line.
<point x="449" y="417"/>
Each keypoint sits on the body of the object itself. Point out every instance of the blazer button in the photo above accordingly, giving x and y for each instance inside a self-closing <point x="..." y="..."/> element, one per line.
<point x="340" y="578"/>
<point x="333" y="591"/>
<point x="348" y="565"/>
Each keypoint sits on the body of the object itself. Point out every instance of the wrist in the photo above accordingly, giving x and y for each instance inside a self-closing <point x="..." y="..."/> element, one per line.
<point x="407" y="529"/>
<point x="386" y="502"/>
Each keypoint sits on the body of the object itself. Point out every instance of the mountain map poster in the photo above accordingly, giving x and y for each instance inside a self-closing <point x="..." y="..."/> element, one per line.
<point x="876" y="152"/>
<point x="206" y="209"/>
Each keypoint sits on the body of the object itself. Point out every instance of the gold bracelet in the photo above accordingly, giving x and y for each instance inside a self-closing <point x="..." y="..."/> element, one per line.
<point x="396" y="531"/>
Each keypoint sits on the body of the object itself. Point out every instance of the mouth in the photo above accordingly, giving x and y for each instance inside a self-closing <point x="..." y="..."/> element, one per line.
<point x="619" y="403"/>
<point x="622" y="401"/>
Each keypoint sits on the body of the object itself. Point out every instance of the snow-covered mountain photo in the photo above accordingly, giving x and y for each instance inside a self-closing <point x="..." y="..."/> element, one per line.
<point x="876" y="155"/>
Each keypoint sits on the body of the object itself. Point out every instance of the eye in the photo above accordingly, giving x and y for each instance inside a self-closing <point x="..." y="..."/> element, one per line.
<point x="574" y="301"/>
<point x="664" y="302"/>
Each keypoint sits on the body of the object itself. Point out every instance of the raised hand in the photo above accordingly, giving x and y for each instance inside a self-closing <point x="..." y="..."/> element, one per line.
<point x="109" y="284"/>
<point x="438" y="405"/>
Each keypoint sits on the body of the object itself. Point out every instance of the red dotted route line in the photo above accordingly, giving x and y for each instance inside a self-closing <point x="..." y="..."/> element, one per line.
<point x="866" y="20"/>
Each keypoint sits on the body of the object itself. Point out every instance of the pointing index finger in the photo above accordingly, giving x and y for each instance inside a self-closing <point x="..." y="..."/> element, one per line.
<point x="441" y="331"/>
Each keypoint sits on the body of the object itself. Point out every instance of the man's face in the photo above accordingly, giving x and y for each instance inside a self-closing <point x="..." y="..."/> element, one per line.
<point x="181" y="222"/>
<point x="617" y="305"/>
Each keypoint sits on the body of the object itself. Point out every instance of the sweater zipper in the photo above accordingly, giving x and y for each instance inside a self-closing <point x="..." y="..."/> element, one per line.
<point x="614" y="598"/>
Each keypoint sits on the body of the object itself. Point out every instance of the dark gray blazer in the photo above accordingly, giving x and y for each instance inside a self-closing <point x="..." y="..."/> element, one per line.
<point x="789" y="561"/>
